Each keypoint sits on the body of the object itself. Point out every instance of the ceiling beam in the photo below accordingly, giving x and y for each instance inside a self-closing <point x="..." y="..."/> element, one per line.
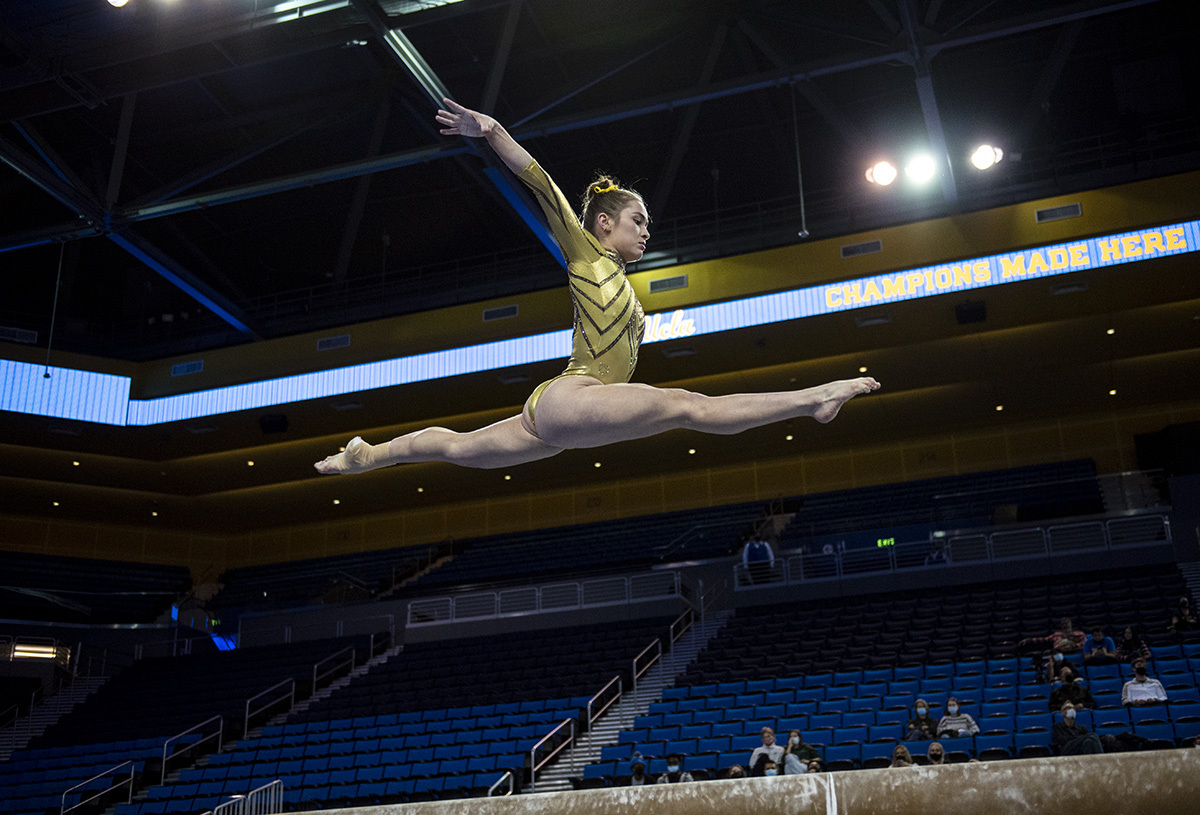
<point x="1048" y="80"/>
<point x="358" y="203"/>
<point x="120" y="151"/>
<point x="500" y="61"/>
<point x="929" y="104"/>
<point x="683" y="132"/>
<point x="513" y="191"/>
<point x="90" y="212"/>
<point x="641" y="107"/>
<point x="815" y="97"/>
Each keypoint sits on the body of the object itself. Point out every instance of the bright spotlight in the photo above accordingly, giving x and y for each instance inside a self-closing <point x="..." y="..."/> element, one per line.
<point x="985" y="156"/>
<point x="921" y="168"/>
<point x="881" y="173"/>
<point x="117" y="3"/>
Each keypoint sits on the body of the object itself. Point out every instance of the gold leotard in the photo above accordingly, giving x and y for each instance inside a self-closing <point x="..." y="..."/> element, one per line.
<point x="608" y="317"/>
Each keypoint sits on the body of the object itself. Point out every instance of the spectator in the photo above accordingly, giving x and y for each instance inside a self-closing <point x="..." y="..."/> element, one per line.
<point x="1131" y="646"/>
<point x="937" y="553"/>
<point x="1072" y="739"/>
<point x="1049" y="651"/>
<point x="816" y="766"/>
<point x="955" y="723"/>
<point x="1142" y="690"/>
<point x="736" y="771"/>
<point x="1071" y="690"/>
<point x="637" y="773"/>
<point x="936" y="753"/>
<point x="770" y="768"/>
<point x="797" y="754"/>
<point x="1182" y="619"/>
<point x="1099" y="649"/>
<point x="758" y="558"/>
<point x="922" y="726"/>
<point x="675" y="772"/>
<point x="901" y="757"/>
<point x="769" y="751"/>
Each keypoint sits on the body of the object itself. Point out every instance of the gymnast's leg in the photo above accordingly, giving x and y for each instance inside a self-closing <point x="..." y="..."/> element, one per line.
<point x="503" y="444"/>
<point x="579" y="411"/>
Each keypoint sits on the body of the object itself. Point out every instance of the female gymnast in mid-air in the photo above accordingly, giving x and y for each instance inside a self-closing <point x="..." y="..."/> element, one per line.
<point x="592" y="403"/>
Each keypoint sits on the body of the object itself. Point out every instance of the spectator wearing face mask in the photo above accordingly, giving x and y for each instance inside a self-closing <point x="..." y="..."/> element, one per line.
<point x="637" y="773"/>
<point x="1048" y="652"/>
<point x="956" y="723"/>
<point x="1072" y="739"/>
<point x="1142" y="690"/>
<point x="1071" y="690"/>
<point x="675" y="773"/>
<point x="736" y="771"/>
<point x="901" y="757"/>
<point x="922" y="726"/>
<point x="936" y="753"/>
<point x="816" y="766"/>
<point x="797" y="754"/>
<point x="768" y="751"/>
<point x="770" y="769"/>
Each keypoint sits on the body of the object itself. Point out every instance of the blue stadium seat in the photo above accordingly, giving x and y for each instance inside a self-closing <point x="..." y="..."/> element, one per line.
<point x="715" y="744"/>
<point x="844" y="752"/>
<point x="1004" y="741"/>
<point x="1103" y="715"/>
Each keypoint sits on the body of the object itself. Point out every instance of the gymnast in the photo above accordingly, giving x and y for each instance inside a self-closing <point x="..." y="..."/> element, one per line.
<point x="592" y="403"/>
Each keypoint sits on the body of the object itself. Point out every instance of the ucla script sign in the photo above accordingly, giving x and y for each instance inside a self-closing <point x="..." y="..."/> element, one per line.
<point x="95" y="397"/>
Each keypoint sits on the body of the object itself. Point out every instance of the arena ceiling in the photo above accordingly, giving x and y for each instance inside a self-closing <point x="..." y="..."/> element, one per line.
<point x="194" y="175"/>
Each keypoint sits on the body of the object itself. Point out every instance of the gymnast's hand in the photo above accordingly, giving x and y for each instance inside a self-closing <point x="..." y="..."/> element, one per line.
<point x="461" y="121"/>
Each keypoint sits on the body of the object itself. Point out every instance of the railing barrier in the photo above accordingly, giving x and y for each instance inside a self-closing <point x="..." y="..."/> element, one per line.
<point x="593" y="711"/>
<point x="63" y="808"/>
<point x="266" y="800"/>
<point x="218" y="735"/>
<point x="534" y="764"/>
<point x="290" y="694"/>
<point x="330" y="671"/>
<point x="656" y="648"/>
<point x="509" y="777"/>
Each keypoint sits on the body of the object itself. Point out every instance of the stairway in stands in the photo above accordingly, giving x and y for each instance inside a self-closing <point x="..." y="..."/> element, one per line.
<point x="556" y="777"/>
<point x="25" y="729"/>
<point x="1191" y="575"/>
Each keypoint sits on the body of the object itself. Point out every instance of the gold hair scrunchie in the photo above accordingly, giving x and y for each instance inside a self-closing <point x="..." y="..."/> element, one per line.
<point x="600" y="191"/>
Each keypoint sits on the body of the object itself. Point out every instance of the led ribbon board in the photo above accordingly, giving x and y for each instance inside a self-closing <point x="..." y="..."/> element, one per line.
<point x="94" y="397"/>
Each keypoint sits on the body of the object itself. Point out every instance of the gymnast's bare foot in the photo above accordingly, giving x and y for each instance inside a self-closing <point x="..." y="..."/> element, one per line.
<point x="359" y="457"/>
<point x="832" y="396"/>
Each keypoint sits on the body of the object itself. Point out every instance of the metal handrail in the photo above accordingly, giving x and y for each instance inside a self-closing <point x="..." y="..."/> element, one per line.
<point x="220" y="735"/>
<point x="534" y="764"/>
<point x="63" y="808"/>
<point x="508" y="776"/>
<point x="620" y="691"/>
<point x="351" y="661"/>
<point x="249" y="713"/>
<point x="690" y="614"/>
<point x="638" y="673"/>
<point x="266" y="800"/>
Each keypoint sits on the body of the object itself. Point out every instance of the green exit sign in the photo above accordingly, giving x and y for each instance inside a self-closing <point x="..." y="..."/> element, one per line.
<point x="882" y="542"/>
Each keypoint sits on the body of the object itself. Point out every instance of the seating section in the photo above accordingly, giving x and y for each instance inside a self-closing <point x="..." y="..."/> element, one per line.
<point x="975" y="499"/>
<point x="519" y="667"/>
<point x="34" y="780"/>
<point x="81" y="590"/>
<point x="849" y="685"/>
<point x="931" y="625"/>
<point x="390" y="736"/>
<point x="570" y="551"/>
<point x="158" y="698"/>
<point x="334" y="579"/>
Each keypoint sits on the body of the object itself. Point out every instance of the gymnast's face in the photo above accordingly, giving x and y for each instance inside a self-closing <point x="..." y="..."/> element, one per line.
<point x="627" y="235"/>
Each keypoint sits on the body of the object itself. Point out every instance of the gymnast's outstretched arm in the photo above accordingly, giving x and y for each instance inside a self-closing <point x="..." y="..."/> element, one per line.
<point x="462" y="121"/>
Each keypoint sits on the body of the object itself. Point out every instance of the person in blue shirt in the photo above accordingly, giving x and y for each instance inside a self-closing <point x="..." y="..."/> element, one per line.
<point x="1099" y="649"/>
